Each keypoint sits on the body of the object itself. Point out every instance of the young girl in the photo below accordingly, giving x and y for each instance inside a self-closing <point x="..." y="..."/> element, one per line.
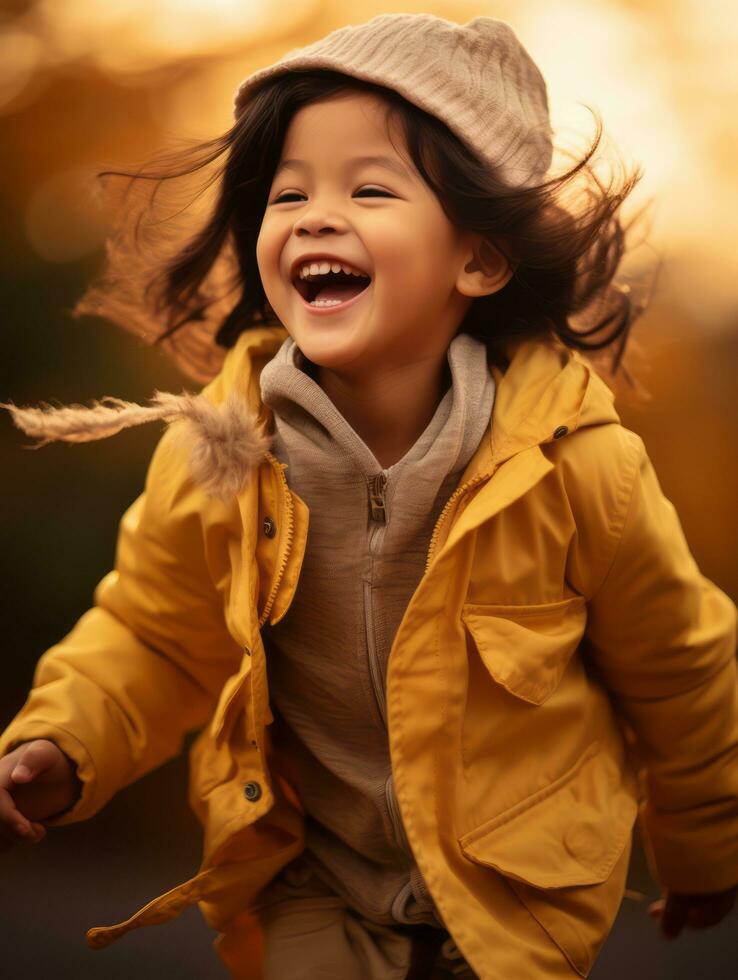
<point x="399" y="560"/>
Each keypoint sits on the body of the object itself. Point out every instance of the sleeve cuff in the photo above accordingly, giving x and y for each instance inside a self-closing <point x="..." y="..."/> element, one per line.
<point x="675" y="866"/>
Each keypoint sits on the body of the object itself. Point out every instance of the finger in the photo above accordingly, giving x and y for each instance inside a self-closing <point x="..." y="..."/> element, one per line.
<point x="27" y="833"/>
<point x="11" y="818"/>
<point x="33" y="760"/>
<point x="38" y="831"/>
<point x="16" y="832"/>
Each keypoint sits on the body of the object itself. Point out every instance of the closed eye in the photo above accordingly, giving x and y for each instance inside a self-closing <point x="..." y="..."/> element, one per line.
<point x="364" y="190"/>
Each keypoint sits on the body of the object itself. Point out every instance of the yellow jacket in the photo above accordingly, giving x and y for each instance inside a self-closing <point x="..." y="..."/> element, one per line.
<point x="562" y="667"/>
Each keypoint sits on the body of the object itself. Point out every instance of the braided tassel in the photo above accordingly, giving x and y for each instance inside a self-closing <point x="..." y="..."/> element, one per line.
<point x="77" y="423"/>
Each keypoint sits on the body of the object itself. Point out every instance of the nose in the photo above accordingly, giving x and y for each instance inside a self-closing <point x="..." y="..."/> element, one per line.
<point x="312" y="228"/>
<point x="316" y="222"/>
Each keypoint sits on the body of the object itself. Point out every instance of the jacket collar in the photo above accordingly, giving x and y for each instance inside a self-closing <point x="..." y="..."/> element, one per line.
<point x="228" y="429"/>
<point x="547" y="390"/>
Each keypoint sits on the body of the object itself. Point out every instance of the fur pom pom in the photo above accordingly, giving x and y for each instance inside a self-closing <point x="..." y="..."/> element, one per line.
<point x="226" y="444"/>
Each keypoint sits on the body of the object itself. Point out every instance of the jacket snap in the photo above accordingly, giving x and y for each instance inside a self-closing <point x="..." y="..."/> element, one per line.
<point x="269" y="527"/>
<point x="583" y="842"/>
<point x="561" y="431"/>
<point x="252" y="790"/>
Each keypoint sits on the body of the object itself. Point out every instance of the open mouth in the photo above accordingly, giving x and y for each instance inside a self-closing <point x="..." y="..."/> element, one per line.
<point x="333" y="289"/>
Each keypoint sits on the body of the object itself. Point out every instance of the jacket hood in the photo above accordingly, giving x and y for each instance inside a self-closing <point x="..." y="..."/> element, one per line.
<point x="229" y="431"/>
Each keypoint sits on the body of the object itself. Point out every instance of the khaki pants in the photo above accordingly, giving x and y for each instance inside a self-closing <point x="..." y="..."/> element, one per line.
<point x="312" y="934"/>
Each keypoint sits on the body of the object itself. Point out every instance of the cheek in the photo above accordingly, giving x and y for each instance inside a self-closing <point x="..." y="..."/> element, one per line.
<point x="268" y="250"/>
<point x="262" y="254"/>
<point x="404" y="250"/>
<point x="424" y="260"/>
<point x="266" y="273"/>
<point x="409" y="271"/>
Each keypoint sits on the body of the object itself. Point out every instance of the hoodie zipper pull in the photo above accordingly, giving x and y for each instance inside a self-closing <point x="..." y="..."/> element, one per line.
<point x="377" y="502"/>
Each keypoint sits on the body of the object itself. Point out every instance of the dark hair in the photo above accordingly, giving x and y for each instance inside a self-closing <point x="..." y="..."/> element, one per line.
<point x="564" y="257"/>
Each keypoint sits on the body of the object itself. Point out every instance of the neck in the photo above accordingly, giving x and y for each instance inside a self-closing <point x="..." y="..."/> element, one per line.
<point x="389" y="410"/>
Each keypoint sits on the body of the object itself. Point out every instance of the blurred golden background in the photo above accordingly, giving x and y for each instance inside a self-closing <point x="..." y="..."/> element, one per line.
<point x="87" y="85"/>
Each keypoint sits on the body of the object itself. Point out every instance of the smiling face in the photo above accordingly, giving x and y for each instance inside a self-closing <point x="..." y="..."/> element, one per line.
<point x="381" y="219"/>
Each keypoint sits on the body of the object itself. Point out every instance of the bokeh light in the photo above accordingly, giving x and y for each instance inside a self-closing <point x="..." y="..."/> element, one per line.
<point x="62" y="221"/>
<point x="20" y="58"/>
<point x="148" y="33"/>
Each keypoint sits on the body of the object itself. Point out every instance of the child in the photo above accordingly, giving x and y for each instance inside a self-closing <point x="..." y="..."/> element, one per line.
<point x="399" y="561"/>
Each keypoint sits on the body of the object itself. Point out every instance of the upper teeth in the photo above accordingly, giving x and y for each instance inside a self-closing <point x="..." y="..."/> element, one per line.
<point x="323" y="268"/>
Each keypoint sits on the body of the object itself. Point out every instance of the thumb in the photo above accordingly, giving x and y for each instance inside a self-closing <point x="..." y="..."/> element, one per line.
<point x="30" y="763"/>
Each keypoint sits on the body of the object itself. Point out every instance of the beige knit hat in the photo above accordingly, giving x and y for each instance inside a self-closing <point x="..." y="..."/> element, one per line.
<point x="476" y="77"/>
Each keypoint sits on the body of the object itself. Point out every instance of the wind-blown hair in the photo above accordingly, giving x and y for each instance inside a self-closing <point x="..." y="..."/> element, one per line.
<point x="195" y="291"/>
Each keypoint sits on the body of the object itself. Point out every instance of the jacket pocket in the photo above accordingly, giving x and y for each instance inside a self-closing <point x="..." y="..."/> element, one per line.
<point x="569" y="833"/>
<point x="526" y="648"/>
<point x="565" y="851"/>
<point x="231" y="699"/>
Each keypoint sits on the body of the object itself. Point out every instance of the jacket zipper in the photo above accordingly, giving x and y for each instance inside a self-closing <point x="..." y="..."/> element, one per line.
<point x="377" y="501"/>
<point x="255" y="734"/>
<point x="371" y="650"/>
<point x="442" y="516"/>
<point x="288" y="534"/>
<point x="378" y="510"/>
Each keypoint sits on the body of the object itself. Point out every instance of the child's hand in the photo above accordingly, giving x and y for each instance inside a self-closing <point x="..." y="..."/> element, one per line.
<point x="37" y="780"/>
<point x="698" y="911"/>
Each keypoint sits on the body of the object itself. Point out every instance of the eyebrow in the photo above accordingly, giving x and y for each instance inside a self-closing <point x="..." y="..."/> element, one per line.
<point x="379" y="159"/>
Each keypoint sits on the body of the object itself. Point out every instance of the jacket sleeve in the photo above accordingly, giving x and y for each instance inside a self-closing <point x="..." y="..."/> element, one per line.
<point x="663" y="637"/>
<point x="147" y="662"/>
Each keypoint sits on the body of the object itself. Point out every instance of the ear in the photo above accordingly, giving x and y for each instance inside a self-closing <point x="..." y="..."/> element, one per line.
<point x="485" y="269"/>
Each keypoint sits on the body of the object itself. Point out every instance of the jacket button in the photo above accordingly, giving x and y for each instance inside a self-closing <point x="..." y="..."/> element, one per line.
<point x="252" y="791"/>
<point x="269" y="527"/>
<point x="561" y="431"/>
